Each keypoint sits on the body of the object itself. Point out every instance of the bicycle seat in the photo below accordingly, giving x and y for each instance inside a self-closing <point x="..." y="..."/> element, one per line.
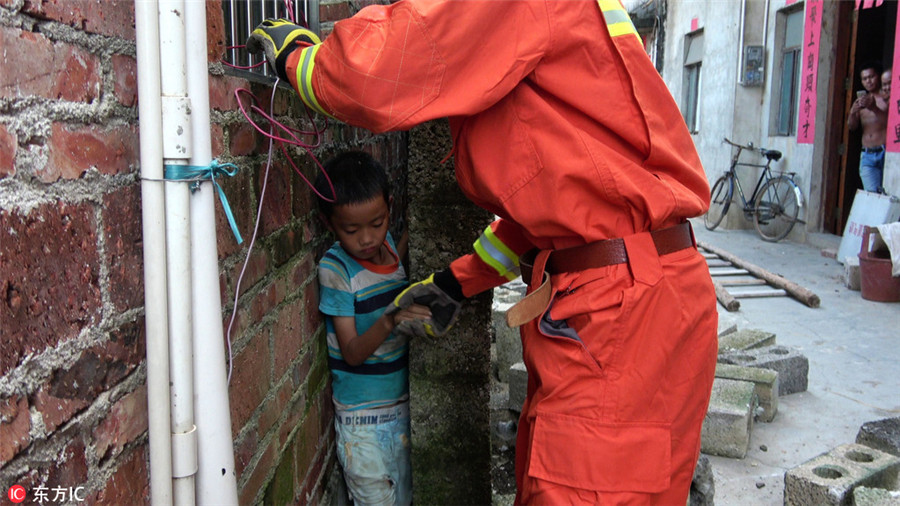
<point x="772" y="154"/>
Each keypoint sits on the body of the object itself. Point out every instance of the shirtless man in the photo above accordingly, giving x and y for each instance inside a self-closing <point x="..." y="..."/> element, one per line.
<point x="870" y="111"/>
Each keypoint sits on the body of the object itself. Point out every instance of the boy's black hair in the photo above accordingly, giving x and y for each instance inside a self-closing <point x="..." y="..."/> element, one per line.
<point x="357" y="177"/>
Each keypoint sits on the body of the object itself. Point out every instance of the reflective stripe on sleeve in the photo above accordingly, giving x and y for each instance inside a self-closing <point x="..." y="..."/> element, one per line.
<point x="618" y="22"/>
<point x="492" y="251"/>
<point x="305" y="67"/>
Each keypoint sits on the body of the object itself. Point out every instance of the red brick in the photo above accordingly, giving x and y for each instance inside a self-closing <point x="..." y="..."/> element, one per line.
<point x="68" y="469"/>
<point x="125" y="422"/>
<point x="314" y="318"/>
<point x="221" y="92"/>
<point x="50" y="278"/>
<point x="130" y="484"/>
<point x="125" y="79"/>
<point x="238" y="191"/>
<point x="330" y="12"/>
<point x="244" y="451"/>
<point x="38" y="63"/>
<point x="8" y="145"/>
<point x="274" y="408"/>
<point x="215" y="30"/>
<point x="217" y="139"/>
<point x="257" y="478"/>
<point x="256" y="269"/>
<point x="244" y="139"/>
<point x="74" y="150"/>
<point x="124" y="247"/>
<point x="54" y="410"/>
<point x="250" y="380"/>
<point x="288" y="333"/>
<point x="15" y="427"/>
<point x="106" y="17"/>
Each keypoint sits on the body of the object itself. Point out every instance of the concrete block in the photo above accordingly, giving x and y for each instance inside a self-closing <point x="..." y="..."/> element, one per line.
<point x="765" y="382"/>
<point x="882" y="435"/>
<point x="729" y="419"/>
<point x="518" y="386"/>
<point x="865" y="496"/>
<point x="792" y="367"/>
<point x="746" y="339"/>
<point x="830" y="478"/>
<point x="703" y="487"/>
<point x="851" y="273"/>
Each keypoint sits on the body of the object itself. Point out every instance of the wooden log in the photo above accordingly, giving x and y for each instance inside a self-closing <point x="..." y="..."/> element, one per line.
<point x="775" y="292"/>
<point x="798" y="292"/>
<point x="725" y="298"/>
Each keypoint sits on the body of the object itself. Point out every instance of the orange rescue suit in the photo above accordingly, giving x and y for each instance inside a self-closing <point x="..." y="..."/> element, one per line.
<point x="563" y="128"/>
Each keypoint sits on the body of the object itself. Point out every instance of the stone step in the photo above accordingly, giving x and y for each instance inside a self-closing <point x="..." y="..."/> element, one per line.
<point x="746" y="339"/>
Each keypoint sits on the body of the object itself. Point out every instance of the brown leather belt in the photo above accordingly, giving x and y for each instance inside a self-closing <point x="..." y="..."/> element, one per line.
<point x="589" y="256"/>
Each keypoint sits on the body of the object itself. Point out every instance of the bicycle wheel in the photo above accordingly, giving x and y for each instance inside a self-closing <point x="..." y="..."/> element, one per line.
<point x="720" y="200"/>
<point x="776" y="208"/>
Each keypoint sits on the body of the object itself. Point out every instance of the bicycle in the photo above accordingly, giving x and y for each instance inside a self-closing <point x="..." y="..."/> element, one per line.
<point x="774" y="204"/>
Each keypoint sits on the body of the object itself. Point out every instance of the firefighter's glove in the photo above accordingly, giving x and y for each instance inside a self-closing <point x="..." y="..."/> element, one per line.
<point x="441" y="293"/>
<point x="278" y="38"/>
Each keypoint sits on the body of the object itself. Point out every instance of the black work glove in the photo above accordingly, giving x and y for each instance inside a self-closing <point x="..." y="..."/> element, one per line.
<point x="278" y="38"/>
<point x="442" y="293"/>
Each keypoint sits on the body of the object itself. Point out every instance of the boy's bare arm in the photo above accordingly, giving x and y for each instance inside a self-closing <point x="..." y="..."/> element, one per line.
<point x="357" y="348"/>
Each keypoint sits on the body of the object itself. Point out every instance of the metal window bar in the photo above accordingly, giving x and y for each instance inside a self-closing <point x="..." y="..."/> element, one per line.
<point x="242" y="16"/>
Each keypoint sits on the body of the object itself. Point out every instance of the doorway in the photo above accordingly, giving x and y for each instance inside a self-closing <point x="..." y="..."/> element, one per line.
<point x="862" y="36"/>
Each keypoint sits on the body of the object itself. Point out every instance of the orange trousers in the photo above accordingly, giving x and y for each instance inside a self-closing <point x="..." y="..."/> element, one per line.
<point x="620" y="369"/>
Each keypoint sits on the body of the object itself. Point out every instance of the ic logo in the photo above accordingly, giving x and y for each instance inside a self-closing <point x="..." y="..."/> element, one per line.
<point x="17" y="493"/>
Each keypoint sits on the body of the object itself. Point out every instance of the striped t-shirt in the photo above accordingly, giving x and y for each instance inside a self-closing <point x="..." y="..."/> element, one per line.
<point x="350" y="287"/>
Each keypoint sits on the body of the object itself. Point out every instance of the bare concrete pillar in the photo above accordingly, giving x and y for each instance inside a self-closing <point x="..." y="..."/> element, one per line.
<point x="449" y="378"/>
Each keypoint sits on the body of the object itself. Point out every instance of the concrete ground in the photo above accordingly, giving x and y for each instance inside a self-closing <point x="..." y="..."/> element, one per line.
<point x="853" y="347"/>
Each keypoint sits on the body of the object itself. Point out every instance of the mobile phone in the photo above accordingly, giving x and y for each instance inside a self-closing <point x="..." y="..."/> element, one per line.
<point x="860" y="93"/>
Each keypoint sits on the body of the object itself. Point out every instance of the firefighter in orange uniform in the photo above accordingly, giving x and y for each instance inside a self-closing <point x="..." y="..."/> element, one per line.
<point x="563" y="128"/>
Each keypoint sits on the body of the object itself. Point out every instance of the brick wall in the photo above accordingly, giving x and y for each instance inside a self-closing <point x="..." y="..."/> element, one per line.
<point x="73" y="409"/>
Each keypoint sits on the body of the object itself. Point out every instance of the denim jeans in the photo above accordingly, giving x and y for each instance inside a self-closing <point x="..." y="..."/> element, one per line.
<point x="871" y="170"/>
<point x="373" y="447"/>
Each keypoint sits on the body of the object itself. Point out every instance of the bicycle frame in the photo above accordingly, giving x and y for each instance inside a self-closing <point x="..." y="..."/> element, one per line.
<point x="765" y="176"/>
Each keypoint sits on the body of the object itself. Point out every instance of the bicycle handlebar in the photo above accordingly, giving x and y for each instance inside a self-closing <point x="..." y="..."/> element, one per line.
<point x="749" y="146"/>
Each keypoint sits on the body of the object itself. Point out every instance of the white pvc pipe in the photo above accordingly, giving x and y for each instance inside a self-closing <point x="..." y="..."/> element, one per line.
<point x="216" y="480"/>
<point x="154" y="237"/>
<point x="177" y="149"/>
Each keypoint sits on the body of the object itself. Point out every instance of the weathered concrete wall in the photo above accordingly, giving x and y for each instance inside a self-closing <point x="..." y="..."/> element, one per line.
<point x="449" y="383"/>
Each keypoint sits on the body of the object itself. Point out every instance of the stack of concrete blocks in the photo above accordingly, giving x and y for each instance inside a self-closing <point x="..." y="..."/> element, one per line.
<point x="832" y="477"/>
<point x="752" y="372"/>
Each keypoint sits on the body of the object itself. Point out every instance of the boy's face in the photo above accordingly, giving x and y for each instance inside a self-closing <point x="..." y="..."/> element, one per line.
<point x="361" y="228"/>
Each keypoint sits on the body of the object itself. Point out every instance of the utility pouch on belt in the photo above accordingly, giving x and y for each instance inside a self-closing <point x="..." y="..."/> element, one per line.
<point x="538" y="265"/>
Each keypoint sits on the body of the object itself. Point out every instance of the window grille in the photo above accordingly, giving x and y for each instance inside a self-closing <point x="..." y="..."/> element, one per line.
<point x="242" y="16"/>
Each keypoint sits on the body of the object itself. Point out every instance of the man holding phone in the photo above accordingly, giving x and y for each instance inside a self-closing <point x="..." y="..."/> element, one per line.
<point x="870" y="110"/>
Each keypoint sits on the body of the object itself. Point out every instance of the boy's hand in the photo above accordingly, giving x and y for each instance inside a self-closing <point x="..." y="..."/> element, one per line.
<point x="444" y="308"/>
<point x="411" y="320"/>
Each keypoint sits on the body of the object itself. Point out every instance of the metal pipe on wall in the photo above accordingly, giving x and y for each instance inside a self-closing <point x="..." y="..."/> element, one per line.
<point x="216" y="479"/>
